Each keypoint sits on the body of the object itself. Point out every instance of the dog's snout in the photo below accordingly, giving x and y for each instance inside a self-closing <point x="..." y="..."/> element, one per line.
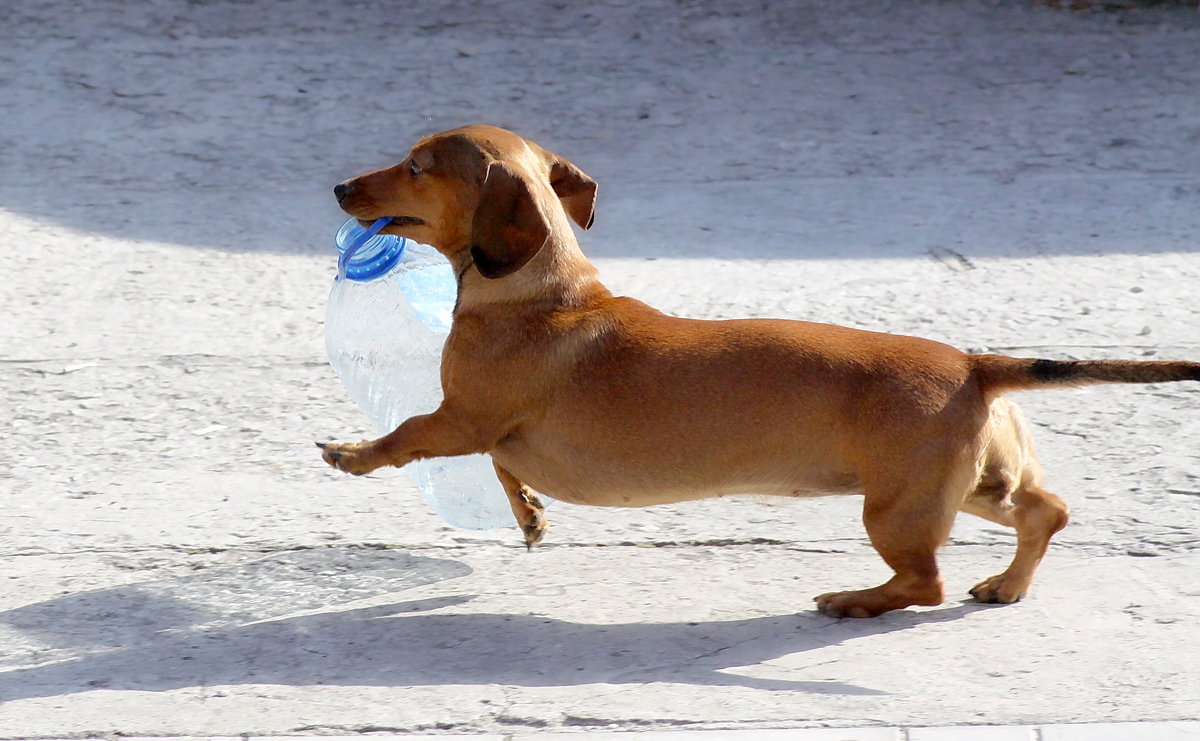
<point x="340" y="191"/>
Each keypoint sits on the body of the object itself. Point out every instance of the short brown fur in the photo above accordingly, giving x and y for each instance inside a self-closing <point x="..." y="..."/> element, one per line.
<point x="598" y="399"/>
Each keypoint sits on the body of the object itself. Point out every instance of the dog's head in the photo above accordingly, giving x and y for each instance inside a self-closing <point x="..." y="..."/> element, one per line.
<point x="481" y="195"/>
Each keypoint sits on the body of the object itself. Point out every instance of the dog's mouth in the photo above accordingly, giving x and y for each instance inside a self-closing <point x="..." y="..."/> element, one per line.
<point x="400" y="221"/>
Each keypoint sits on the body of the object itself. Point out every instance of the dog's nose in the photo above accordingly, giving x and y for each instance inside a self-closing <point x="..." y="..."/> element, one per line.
<point x="339" y="192"/>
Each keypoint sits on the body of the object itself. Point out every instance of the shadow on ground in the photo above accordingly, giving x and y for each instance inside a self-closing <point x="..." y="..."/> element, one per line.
<point x="271" y="622"/>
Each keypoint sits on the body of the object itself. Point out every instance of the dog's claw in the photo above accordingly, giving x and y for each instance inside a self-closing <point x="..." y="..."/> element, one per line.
<point x="996" y="591"/>
<point x="862" y="603"/>
<point x="346" y="457"/>
<point x="535" y="529"/>
<point x="330" y="455"/>
<point x="827" y="606"/>
<point x="989" y="599"/>
<point x="533" y="534"/>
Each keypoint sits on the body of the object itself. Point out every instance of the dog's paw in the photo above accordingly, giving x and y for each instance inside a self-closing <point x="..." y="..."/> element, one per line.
<point x="846" y="604"/>
<point x="534" y="524"/>
<point x="896" y="594"/>
<point x="1001" y="589"/>
<point x="534" y="530"/>
<point x="353" y="458"/>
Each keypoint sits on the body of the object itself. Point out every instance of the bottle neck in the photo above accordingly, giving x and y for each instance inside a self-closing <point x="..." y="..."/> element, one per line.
<point x="365" y="254"/>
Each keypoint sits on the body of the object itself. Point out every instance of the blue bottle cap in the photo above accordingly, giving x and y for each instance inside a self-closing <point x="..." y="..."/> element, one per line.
<point x="365" y="254"/>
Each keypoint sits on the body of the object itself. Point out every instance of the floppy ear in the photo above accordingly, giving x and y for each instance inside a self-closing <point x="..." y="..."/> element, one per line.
<point x="508" y="228"/>
<point x="575" y="189"/>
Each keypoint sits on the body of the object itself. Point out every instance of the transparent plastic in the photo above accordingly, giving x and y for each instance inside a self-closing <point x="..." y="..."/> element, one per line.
<point x="384" y="337"/>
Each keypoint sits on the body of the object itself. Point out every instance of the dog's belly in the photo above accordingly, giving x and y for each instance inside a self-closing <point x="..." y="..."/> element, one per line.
<point x="587" y="476"/>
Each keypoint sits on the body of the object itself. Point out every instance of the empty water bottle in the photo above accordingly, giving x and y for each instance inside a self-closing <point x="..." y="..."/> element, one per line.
<point x="386" y="321"/>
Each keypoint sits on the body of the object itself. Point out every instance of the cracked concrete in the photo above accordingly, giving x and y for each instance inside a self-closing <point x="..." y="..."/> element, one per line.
<point x="177" y="561"/>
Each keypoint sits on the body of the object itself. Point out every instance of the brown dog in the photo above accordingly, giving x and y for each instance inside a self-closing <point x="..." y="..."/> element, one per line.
<point x="599" y="399"/>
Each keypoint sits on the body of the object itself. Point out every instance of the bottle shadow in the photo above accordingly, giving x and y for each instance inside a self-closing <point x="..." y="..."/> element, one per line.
<point x="239" y="626"/>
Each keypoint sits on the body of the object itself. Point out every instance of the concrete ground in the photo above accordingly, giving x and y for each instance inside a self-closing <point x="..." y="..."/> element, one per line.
<point x="1153" y="731"/>
<point x="177" y="561"/>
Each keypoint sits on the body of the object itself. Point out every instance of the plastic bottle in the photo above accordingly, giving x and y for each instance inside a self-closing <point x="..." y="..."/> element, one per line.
<point x="386" y="321"/>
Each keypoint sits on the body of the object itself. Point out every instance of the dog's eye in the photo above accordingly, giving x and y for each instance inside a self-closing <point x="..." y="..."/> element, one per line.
<point x="414" y="168"/>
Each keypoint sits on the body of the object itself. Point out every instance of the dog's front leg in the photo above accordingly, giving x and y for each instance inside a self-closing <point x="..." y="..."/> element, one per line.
<point x="424" y="436"/>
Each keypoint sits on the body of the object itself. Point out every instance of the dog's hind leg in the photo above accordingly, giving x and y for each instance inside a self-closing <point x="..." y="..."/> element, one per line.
<point x="909" y="545"/>
<point x="1037" y="515"/>
<point x="526" y="507"/>
<point x="913" y="492"/>
<point x="907" y="521"/>
<point x="1010" y="493"/>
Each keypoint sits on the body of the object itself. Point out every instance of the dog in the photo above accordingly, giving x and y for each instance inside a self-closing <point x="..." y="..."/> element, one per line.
<point x="602" y="400"/>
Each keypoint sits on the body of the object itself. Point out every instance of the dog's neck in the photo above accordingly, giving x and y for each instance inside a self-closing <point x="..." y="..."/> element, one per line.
<point x="559" y="275"/>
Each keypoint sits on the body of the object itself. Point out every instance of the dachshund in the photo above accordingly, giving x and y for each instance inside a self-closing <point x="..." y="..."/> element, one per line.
<point x="602" y="400"/>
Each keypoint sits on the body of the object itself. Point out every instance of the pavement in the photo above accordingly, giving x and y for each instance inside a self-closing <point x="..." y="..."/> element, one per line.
<point x="176" y="561"/>
<point x="1074" y="732"/>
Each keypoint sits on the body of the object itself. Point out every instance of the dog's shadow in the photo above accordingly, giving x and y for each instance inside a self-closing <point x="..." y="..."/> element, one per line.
<point x="181" y="633"/>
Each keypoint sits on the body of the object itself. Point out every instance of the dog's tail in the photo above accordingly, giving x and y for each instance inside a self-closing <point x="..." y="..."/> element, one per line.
<point x="998" y="373"/>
